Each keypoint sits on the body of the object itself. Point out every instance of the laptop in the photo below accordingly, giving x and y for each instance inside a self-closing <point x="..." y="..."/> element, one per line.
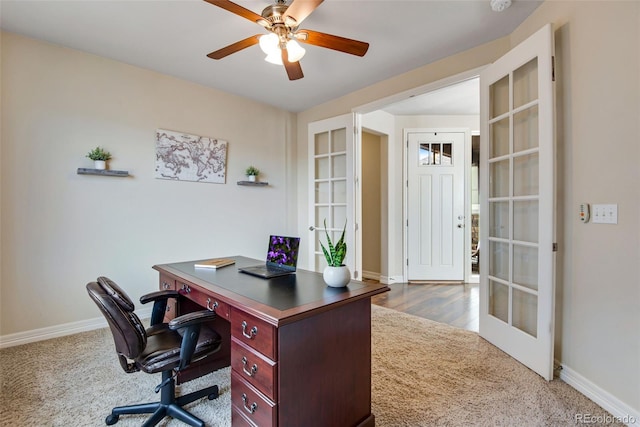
<point x="282" y="258"/>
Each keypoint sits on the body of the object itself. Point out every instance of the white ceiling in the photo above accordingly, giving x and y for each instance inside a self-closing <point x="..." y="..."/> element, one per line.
<point x="174" y="37"/>
<point x="458" y="99"/>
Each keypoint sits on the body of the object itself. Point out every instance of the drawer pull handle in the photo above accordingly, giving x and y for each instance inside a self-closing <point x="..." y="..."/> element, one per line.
<point x="250" y="409"/>
<point x="165" y="285"/>
<point x="212" y="307"/>
<point x="186" y="289"/>
<point x="252" y="333"/>
<point x="253" y="370"/>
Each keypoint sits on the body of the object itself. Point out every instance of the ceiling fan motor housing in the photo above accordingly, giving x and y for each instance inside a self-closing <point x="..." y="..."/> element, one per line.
<point x="275" y="13"/>
<point x="281" y="25"/>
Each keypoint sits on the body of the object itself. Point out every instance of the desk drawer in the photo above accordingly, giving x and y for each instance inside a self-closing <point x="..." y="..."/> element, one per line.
<point x="239" y="420"/>
<point x="204" y="299"/>
<point x="254" y="332"/>
<point x="251" y="403"/>
<point x="255" y="368"/>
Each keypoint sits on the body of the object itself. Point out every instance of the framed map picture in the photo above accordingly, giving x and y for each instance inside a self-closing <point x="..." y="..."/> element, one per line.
<point x="185" y="157"/>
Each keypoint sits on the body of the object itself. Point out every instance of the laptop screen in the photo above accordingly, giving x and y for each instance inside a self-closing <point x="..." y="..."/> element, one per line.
<point x="283" y="251"/>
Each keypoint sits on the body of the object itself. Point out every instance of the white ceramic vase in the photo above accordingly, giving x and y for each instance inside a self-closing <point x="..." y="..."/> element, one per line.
<point x="252" y="178"/>
<point x="336" y="277"/>
<point x="100" y="164"/>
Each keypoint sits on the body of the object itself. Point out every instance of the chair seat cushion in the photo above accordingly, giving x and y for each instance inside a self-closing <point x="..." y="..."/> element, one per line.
<point x="163" y="349"/>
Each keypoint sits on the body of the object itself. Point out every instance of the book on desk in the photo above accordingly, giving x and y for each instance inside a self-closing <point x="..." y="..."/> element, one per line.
<point x="215" y="263"/>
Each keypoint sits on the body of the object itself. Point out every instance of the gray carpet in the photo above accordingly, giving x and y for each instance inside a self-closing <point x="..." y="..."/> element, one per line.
<point x="423" y="374"/>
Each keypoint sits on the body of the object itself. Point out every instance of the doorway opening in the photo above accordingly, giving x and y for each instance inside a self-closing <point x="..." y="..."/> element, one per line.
<point x="374" y="203"/>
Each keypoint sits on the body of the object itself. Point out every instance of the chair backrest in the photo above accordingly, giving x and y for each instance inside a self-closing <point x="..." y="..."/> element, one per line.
<point x="128" y="331"/>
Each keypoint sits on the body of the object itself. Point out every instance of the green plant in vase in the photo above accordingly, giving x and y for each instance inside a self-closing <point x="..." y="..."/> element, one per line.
<point x="336" y="253"/>
<point x="99" y="156"/>
<point x="252" y="173"/>
<point x="336" y="274"/>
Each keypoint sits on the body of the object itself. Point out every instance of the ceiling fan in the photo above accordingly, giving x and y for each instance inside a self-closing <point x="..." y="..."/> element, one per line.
<point x="280" y="43"/>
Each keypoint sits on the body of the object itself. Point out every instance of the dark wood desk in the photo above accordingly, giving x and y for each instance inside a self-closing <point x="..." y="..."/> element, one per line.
<point x="300" y="351"/>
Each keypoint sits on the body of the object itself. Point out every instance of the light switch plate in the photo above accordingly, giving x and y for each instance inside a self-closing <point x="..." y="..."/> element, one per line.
<point x="604" y="214"/>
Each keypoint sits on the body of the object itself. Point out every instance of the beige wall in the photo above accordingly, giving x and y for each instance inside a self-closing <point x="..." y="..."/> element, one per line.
<point x="598" y="74"/>
<point x="371" y="202"/>
<point x="61" y="230"/>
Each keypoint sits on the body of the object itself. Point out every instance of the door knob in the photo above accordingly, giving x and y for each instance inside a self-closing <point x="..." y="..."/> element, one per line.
<point x="311" y="228"/>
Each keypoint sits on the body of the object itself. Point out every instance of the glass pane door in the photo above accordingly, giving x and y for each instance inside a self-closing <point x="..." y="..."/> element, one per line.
<point x="513" y="198"/>
<point x="331" y="182"/>
<point x="517" y="167"/>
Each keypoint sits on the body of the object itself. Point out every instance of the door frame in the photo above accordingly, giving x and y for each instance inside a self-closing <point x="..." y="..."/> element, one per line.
<point x="380" y="104"/>
<point x="466" y="246"/>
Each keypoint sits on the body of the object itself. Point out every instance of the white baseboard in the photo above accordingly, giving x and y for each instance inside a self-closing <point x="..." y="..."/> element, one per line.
<point x="621" y="411"/>
<point x="385" y="280"/>
<point x="71" y="328"/>
<point x="371" y="275"/>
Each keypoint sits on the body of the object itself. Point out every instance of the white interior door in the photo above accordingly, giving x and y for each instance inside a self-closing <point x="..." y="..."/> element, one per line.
<point x="331" y="191"/>
<point x="517" y="228"/>
<point x="435" y="206"/>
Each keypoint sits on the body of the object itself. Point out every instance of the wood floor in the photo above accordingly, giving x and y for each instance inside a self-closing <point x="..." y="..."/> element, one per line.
<point x="453" y="304"/>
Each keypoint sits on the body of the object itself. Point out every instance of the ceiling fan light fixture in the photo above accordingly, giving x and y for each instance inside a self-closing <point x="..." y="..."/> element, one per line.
<point x="295" y="51"/>
<point x="274" y="58"/>
<point x="269" y="43"/>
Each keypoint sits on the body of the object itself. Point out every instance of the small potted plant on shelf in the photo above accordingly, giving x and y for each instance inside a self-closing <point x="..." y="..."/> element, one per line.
<point x="99" y="157"/>
<point x="335" y="274"/>
<point x="252" y="173"/>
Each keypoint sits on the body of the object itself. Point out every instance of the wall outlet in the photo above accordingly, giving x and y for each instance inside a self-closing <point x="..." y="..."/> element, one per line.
<point x="604" y="214"/>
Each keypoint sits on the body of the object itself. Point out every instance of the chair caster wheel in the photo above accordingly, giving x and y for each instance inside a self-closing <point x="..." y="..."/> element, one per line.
<point x="214" y="395"/>
<point x="111" y="419"/>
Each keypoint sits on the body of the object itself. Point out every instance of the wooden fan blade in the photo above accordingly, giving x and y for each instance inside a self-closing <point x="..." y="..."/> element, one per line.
<point x="294" y="70"/>
<point x="240" y="11"/>
<point x="235" y="47"/>
<point x="300" y="9"/>
<point x="341" y="44"/>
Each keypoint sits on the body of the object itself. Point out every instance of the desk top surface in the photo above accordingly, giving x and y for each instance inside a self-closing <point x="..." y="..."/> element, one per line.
<point x="284" y="293"/>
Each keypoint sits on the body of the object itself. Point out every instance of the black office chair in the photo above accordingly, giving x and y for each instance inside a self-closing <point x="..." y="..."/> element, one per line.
<point x="163" y="347"/>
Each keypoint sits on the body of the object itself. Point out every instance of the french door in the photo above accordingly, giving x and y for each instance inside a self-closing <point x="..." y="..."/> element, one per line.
<point x="517" y="229"/>
<point x="331" y="192"/>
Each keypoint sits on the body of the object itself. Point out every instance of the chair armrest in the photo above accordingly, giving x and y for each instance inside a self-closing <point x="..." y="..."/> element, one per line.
<point x="190" y="319"/>
<point x="191" y="323"/>
<point x="158" y="295"/>
<point x="159" y="299"/>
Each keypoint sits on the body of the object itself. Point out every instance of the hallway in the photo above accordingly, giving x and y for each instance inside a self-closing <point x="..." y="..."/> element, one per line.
<point x="455" y="304"/>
